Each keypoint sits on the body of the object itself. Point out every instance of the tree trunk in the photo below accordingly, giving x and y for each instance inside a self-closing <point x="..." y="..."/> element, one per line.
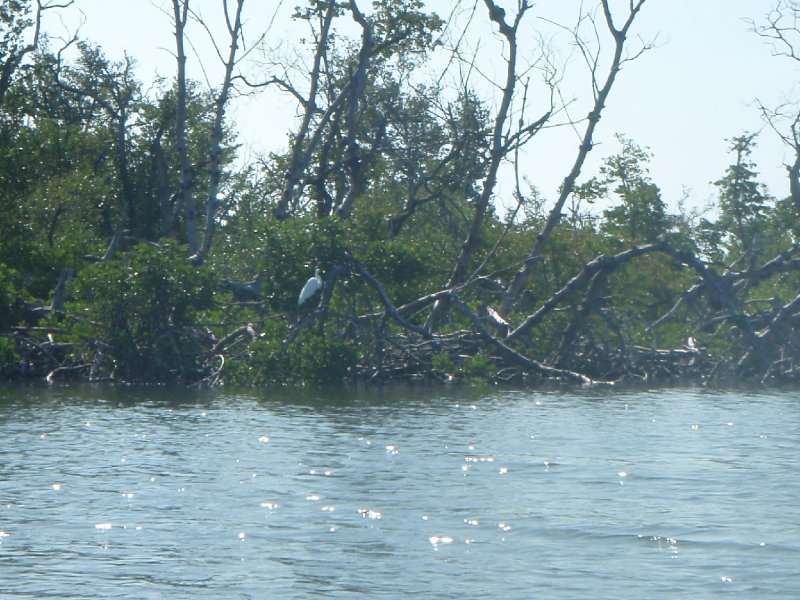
<point x="185" y="188"/>
<point x="215" y="152"/>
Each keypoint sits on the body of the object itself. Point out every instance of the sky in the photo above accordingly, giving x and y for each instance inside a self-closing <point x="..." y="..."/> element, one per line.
<point x="682" y="99"/>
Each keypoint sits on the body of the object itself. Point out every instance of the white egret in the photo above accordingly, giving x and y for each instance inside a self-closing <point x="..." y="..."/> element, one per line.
<point x="310" y="288"/>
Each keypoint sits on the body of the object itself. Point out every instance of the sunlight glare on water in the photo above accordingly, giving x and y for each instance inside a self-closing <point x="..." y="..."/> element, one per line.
<point x="147" y="493"/>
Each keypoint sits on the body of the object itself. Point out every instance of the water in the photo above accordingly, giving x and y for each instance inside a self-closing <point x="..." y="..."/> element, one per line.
<point x="131" y="493"/>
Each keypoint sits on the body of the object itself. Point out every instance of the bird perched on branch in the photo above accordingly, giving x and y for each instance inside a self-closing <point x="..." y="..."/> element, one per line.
<point x="310" y="288"/>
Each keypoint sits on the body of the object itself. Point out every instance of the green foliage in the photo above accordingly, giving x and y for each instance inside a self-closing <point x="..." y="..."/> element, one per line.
<point x="404" y="269"/>
<point x="319" y="358"/>
<point x="743" y="201"/>
<point x="135" y="314"/>
<point x="87" y="151"/>
<point x="8" y="355"/>
<point x="641" y="215"/>
<point x="7" y="297"/>
<point x="785" y="222"/>
<point x="312" y="358"/>
<point x="464" y="369"/>
<point x="284" y="253"/>
<point x="11" y="298"/>
<point x="15" y="19"/>
<point x="643" y="290"/>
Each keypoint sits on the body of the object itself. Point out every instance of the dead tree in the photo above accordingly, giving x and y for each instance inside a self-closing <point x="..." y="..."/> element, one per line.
<point x="502" y="143"/>
<point x="313" y="134"/>
<point x="234" y="28"/>
<point x="16" y="26"/>
<point x="781" y="29"/>
<point x="185" y="199"/>
<point x="769" y="345"/>
<point x="601" y="93"/>
<point x="199" y="248"/>
<point x="302" y="147"/>
<point x="333" y="148"/>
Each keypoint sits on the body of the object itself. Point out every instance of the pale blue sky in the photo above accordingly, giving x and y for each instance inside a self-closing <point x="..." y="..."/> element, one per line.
<point x="681" y="99"/>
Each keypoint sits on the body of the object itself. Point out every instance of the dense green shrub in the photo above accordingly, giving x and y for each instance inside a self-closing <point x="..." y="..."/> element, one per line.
<point x="465" y="369"/>
<point x="13" y="297"/>
<point x="319" y="358"/>
<point x="12" y="301"/>
<point x="312" y="358"/>
<point x="402" y="267"/>
<point x="8" y="297"/>
<point x="8" y="355"/>
<point x="135" y="314"/>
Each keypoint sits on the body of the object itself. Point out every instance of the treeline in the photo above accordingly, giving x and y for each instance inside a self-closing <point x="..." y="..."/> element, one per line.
<point x="136" y="245"/>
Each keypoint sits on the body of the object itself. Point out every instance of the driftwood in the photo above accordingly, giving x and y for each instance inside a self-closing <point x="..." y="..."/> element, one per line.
<point x="243" y="331"/>
<point x="767" y="338"/>
<point x="438" y="342"/>
<point x="514" y="356"/>
<point x="39" y="352"/>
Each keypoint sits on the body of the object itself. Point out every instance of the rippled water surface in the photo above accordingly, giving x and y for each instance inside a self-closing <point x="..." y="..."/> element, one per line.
<point x="121" y="493"/>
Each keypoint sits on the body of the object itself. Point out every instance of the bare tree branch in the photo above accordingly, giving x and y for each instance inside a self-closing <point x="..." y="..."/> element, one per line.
<point x="782" y="29"/>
